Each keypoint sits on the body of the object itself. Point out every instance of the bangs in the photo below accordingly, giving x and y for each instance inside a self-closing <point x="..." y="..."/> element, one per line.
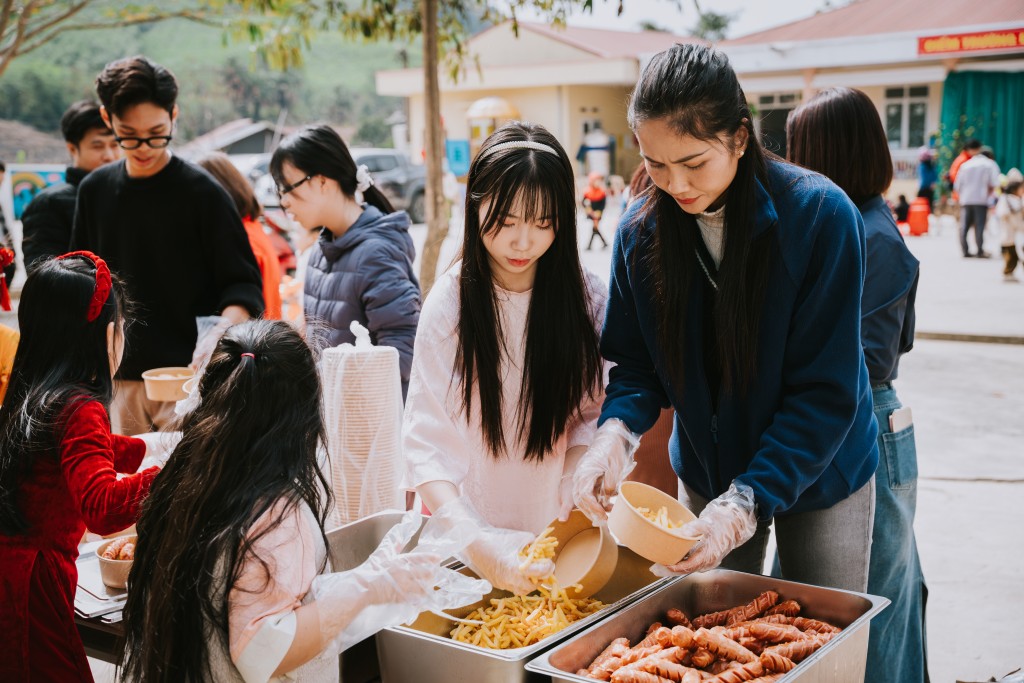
<point x="520" y="190"/>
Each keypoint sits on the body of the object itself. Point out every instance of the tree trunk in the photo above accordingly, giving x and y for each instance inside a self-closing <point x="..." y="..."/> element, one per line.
<point x="437" y="209"/>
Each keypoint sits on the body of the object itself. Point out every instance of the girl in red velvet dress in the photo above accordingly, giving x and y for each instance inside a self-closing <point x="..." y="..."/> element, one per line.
<point x="59" y="462"/>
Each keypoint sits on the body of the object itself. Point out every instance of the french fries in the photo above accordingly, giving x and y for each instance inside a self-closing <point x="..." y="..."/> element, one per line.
<point x="660" y="517"/>
<point x="520" y="621"/>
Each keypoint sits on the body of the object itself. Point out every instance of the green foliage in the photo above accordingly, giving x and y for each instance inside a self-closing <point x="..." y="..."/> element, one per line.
<point x="712" y="26"/>
<point x="38" y="93"/>
<point x="220" y="78"/>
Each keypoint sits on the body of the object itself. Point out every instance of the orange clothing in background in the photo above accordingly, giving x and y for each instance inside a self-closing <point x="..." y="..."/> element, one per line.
<point x="8" y="347"/>
<point x="270" y="267"/>
<point x="594" y="194"/>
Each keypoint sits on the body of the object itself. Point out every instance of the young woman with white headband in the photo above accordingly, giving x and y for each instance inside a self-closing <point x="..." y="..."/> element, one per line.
<point x="363" y="268"/>
<point x="507" y="378"/>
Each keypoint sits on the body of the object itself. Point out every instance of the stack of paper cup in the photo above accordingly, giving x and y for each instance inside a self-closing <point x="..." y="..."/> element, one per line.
<point x="363" y="409"/>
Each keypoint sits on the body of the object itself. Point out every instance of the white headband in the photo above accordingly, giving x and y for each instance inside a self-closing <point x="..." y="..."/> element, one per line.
<point x="518" y="144"/>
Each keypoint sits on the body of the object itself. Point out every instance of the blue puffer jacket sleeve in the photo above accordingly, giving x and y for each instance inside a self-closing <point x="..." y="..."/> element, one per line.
<point x="390" y="300"/>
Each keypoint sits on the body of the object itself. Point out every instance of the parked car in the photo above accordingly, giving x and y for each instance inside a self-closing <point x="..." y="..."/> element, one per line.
<point x="401" y="181"/>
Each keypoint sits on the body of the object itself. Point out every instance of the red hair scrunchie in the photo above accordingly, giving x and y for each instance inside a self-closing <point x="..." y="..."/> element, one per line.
<point x="102" y="291"/>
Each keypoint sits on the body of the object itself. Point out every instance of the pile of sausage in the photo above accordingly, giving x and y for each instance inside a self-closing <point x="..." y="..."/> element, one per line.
<point x="758" y="642"/>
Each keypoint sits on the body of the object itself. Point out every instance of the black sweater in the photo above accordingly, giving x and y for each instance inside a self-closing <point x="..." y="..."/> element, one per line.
<point x="46" y="223"/>
<point x="178" y="242"/>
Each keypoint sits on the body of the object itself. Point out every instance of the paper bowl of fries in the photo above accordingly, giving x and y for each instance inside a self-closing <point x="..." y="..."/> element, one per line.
<point x="585" y="556"/>
<point x="166" y="384"/>
<point x="647" y="521"/>
<point x="116" y="556"/>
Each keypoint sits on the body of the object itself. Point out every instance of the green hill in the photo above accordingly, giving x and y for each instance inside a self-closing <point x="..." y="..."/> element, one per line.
<point x="219" y="80"/>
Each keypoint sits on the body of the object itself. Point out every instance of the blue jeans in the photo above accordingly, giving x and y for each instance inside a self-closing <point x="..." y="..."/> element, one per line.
<point x="897" y="647"/>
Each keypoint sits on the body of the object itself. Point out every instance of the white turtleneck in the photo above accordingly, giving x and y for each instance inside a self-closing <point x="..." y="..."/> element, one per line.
<point x="712" y="229"/>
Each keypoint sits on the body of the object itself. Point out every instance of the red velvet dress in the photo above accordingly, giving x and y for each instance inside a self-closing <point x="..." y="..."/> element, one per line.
<point x="65" y="492"/>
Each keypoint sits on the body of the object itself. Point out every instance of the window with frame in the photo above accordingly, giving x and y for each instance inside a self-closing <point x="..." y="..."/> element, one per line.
<point x="906" y="113"/>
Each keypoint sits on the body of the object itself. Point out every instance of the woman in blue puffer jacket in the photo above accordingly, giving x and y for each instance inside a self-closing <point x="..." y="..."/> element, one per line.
<point x="363" y="268"/>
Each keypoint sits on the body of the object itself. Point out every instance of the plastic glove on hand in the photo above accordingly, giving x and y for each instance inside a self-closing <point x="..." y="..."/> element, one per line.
<point x="210" y="330"/>
<point x="603" y="468"/>
<point x="494" y="552"/>
<point x="494" y="555"/>
<point x="726" y="523"/>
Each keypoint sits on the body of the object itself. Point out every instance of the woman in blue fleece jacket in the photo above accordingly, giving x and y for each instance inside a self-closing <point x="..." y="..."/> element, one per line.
<point x="735" y="298"/>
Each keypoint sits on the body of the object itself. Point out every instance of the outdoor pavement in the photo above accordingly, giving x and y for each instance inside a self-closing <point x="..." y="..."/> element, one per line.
<point x="968" y="405"/>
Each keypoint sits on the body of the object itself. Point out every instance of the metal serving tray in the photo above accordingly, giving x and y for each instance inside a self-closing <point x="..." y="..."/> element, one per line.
<point x="842" y="660"/>
<point x="349" y="546"/>
<point x="423" y="652"/>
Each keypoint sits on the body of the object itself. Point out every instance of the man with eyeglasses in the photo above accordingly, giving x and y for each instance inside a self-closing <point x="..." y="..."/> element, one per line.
<point x="168" y="229"/>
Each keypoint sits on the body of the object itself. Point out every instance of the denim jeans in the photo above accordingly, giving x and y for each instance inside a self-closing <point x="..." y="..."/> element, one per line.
<point x="897" y="646"/>
<point x="827" y="547"/>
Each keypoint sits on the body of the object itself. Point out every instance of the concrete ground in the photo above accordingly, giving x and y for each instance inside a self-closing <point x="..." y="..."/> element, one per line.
<point x="968" y="404"/>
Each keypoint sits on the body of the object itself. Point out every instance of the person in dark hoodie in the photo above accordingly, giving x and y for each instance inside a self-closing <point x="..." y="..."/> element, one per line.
<point x="47" y="221"/>
<point x="362" y="269"/>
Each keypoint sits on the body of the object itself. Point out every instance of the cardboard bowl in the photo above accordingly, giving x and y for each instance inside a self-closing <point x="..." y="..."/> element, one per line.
<point x="586" y="555"/>
<point x="166" y="384"/>
<point x="114" y="573"/>
<point x="641" y="535"/>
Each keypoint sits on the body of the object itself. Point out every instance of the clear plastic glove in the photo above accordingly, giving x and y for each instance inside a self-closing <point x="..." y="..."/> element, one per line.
<point x="159" y="446"/>
<point x="726" y="523"/>
<point x="209" y="330"/>
<point x="494" y="553"/>
<point x="391" y="587"/>
<point x="603" y="468"/>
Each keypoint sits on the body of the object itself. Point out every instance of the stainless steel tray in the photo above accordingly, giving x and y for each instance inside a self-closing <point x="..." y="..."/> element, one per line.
<point x="423" y="652"/>
<point x="349" y="546"/>
<point x="842" y="660"/>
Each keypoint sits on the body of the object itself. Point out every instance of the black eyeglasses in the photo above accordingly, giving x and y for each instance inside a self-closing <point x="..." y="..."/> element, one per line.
<point x="282" y="190"/>
<point x="155" y="142"/>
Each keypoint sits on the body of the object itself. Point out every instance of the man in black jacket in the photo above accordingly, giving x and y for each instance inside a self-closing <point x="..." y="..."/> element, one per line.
<point x="168" y="229"/>
<point x="46" y="223"/>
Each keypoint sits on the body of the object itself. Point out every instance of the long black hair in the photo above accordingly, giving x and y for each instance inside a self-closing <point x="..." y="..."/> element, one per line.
<point x="250" y="444"/>
<point x="319" y="150"/>
<point x="562" y="360"/>
<point x="61" y="360"/>
<point x="694" y="89"/>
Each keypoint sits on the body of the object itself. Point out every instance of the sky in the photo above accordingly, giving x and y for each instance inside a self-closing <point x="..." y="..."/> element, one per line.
<point x="751" y="15"/>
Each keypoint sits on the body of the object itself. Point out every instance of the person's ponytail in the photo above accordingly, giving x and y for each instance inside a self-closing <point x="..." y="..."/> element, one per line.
<point x="375" y="197"/>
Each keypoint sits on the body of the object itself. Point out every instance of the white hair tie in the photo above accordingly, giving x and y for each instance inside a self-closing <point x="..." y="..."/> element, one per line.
<point x="518" y="144"/>
<point x="364" y="181"/>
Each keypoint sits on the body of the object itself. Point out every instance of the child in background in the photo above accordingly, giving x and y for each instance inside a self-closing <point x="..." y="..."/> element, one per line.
<point x="59" y="462"/>
<point x="1010" y="214"/>
<point x="507" y="376"/>
<point x="594" y="199"/>
<point x="901" y="209"/>
<point x="238" y="188"/>
<point x="231" y="580"/>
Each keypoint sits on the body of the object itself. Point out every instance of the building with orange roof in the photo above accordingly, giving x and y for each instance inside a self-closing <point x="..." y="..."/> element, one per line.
<point x="569" y="79"/>
<point x="939" y="71"/>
